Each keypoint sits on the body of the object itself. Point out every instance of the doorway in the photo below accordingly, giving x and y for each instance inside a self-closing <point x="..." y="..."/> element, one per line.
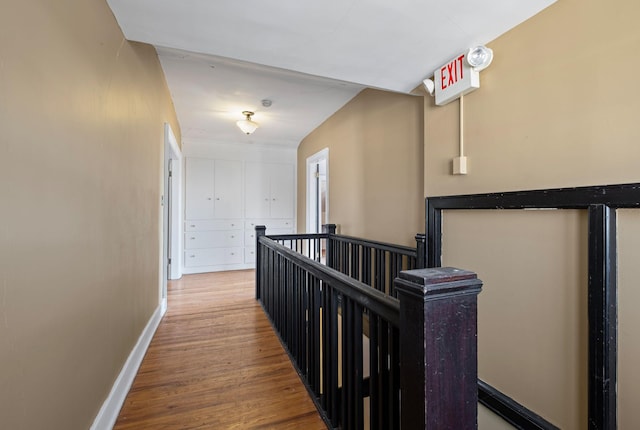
<point x="171" y="262"/>
<point x="317" y="191"/>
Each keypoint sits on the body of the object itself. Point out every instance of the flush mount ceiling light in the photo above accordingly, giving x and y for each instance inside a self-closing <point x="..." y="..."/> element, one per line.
<point x="479" y="57"/>
<point x="246" y="125"/>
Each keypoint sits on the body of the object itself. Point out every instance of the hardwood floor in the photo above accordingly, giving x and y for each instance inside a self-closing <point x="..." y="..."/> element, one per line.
<point x="215" y="363"/>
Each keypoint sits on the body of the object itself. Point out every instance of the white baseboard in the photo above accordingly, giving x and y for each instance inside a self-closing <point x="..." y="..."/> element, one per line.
<point x="110" y="409"/>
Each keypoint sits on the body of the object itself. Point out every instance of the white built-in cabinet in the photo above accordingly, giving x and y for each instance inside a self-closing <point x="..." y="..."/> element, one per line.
<point x="213" y="189"/>
<point x="224" y="201"/>
<point x="269" y="189"/>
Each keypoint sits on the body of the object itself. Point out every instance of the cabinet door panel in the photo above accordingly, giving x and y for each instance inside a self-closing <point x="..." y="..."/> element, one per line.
<point x="228" y="189"/>
<point x="256" y="190"/>
<point x="199" y="188"/>
<point x="282" y="188"/>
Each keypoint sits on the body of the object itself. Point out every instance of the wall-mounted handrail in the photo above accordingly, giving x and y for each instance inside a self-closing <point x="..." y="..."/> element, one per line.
<point x="602" y="203"/>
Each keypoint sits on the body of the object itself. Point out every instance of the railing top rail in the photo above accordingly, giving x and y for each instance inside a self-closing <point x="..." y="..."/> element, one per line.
<point x="373" y="243"/>
<point x="406" y="250"/>
<point x="370" y="298"/>
<point x="294" y="236"/>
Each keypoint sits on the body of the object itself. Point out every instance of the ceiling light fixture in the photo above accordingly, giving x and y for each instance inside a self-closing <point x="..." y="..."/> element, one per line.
<point x="246" y="125"/>
<point x="430" y="86"/>
<point x="479" y="57"/>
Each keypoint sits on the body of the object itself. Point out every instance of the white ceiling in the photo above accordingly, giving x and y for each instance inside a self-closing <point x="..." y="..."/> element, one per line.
<point x="221" y="57"/>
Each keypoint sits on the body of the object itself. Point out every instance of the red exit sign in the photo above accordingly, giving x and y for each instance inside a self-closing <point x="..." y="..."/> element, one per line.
<point x="454" y="79"/>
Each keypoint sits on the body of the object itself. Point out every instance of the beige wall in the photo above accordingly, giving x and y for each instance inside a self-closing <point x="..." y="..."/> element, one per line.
<point x="628" y="319"/>
<point x="375" y="167"/>
<point x="532" y="313"/>
<point x="82" y="113"/>
<point x="557" y="108"/>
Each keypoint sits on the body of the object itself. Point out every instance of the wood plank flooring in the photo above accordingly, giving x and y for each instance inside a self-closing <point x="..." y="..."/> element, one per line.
<point x="215" y="363"/>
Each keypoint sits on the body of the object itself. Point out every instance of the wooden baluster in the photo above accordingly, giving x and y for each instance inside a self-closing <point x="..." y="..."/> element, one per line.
<point x="374" y="372"/>
<point x="421" y="251"/>
<point x="330" y="230"/>
<point x="260" y="231"/>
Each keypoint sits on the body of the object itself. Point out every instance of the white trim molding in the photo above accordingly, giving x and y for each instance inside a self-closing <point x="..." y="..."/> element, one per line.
<point x="108" y="414"/>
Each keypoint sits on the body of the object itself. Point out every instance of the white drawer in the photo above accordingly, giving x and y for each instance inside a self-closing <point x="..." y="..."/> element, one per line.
<point x="212" y="239"/>
<point x="250" y="256"/>
<point x="277" y="231"/>
<point x="212" y="257"/>
<point x="269" y="223"/>
<point x="250" y="238"/>
<point x="251" y="224"/>
<point x="211" y="224"/>
<point x="250" y="235"/>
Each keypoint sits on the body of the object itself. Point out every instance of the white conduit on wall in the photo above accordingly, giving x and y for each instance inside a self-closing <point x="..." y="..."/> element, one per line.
<point x="462" y="126"/>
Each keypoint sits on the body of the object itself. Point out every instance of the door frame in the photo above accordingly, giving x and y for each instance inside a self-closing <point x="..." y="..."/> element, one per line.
<point x="171" y="218"/>
<point x="312" y="203"/>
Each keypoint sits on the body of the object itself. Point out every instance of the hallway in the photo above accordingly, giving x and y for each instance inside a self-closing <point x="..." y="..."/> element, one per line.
<point x="215" y="363"/>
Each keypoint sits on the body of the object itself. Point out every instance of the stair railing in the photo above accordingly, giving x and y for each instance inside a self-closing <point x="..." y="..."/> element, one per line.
<point x="407" y="360"/>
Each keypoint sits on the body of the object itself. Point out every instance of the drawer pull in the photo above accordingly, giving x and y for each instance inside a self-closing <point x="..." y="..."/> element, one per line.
<point x="208" y="198"/>
<point x="193" y="238"/>
<point x="232" y="236"/>
<point x="192" y="256"/>
<point x="193" y="225"/>
<point x="233" y="225"/>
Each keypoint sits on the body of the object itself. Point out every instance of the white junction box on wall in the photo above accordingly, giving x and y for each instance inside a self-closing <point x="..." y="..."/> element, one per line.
<point x="460" y="166"/>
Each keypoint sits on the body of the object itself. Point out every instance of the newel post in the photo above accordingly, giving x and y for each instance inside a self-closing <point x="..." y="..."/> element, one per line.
<point x="260" y="231"/>
<point x="329" y="229"/>
<point x="438" y="348"/>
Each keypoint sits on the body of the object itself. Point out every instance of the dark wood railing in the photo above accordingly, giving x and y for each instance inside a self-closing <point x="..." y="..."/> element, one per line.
<point x="602" y="204"/>
<point x="373" y="263"/>
<point x="376" y="264"/>
<point x="358" y="348"/>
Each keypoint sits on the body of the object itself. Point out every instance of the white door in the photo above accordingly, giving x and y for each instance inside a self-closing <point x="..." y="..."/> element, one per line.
<point x="282" y="188"/>
<point x="228" y="189"/>
<point x="171" y="214"/>
<point x="257" y="193"/>
<point x="199" y="188"/>
<point x="169" y="221"/>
